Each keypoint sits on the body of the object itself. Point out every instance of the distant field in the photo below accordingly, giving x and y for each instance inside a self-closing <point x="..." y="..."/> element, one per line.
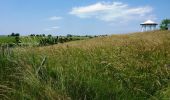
<point x="119" y="67"/>
<point x="6" y="39"/>
<point x="33" y="40"/>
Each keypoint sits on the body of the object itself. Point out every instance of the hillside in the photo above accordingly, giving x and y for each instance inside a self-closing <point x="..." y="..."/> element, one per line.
<point x="134" y="66"/>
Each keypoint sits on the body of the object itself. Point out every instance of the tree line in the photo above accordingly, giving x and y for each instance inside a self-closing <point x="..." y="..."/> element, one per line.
<point x="44" y="40"/>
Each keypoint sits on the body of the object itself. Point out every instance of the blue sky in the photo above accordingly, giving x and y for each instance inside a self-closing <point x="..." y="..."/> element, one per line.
<point x="79" y="17"/>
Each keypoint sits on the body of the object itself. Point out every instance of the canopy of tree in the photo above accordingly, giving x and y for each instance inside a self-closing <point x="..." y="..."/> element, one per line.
<point x="164" y="24"/>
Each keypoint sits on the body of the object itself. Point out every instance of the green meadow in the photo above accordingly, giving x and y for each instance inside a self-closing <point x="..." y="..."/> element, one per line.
<point x="132" y="66"/>
<point x="6" y="39"/>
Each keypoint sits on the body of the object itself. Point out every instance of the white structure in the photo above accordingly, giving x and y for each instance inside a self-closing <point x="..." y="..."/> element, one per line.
<point x="148" y="25"/>
<point x="168" y="26"/>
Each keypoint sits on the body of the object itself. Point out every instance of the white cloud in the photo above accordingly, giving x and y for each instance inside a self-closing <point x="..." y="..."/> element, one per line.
<point x="113" y="11"/>
<point x="55" y="27"/>
<point x="52" y="28"/>
<point x="53" y="18"/>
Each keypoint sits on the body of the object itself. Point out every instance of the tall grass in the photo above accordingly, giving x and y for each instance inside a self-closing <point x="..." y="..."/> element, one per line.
<point x="133" y="66"/>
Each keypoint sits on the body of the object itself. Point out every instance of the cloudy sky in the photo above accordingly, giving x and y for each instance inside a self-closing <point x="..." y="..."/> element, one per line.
<point x="79" y="17"/>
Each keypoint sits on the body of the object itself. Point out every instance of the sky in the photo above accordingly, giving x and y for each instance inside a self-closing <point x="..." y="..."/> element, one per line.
<point x="79" y="17"/>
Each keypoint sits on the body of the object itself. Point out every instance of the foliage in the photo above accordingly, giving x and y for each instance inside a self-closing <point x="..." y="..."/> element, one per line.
<point x="48" y="41"/>
<point x="36" y="40"/>
<point x="164" y="24"/>
<point x="17" y="40"/>
<point x="10" y="40"/>
<point x="15" y="34"/>
<point x="55" y="40"/>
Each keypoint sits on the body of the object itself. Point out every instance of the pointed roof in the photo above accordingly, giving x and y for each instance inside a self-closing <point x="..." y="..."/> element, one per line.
<point x="149" y="22"/>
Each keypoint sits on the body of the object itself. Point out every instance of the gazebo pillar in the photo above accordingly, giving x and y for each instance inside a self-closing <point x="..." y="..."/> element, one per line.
<point x="142" y="29"/>
<point x="168" y="26"/>
<point x="154" y="27"/>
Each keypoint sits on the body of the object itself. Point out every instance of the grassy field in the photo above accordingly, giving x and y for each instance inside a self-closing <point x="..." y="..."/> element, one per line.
<point x="119" y="67"/>
<point x="36" y="40"/>
<point x="6" y="39"/>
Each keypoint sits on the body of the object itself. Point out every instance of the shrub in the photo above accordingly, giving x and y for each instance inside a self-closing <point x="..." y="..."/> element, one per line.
<point x="164" y="24"/>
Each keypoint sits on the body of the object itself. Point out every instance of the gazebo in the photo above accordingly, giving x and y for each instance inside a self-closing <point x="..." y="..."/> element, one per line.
<point x="148" y="25"/>
<point x="168" y="26"/>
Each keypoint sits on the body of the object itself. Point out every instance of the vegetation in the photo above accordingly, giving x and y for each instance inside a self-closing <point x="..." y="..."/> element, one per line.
<point x="55" y="40"/>
<point x="164" y="24"/>
<point x="37" y="39"/>
<point x="132" y="67"/>
<point x="5" y="39"/>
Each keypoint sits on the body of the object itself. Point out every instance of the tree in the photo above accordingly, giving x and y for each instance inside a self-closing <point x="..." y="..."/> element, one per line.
<point x="164" y="24"/>
<point x="49" y="35"/>
<point x="32" y="35"/>
<point x="43" y="35"/>
<point x="69" y="35"/>
<point x="17" y="34"/>
<point x="37" y="35"/>
<point x="13" y="34"/>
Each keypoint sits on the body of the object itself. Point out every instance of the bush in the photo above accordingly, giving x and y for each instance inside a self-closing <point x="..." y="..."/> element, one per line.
<point x="164" y="24"/>
<point x="15" y="34"/>
<point x="48" y="41"/>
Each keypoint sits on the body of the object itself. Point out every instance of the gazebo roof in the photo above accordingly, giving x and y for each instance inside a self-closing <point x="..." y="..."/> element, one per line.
<point x="149" y="22"/>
